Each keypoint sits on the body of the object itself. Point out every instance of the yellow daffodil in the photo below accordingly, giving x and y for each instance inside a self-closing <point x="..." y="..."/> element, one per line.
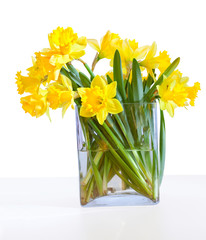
<point x="64" y="47"/>
<point x="192" y="93"/>
<point x="42" y="72"/>
<point x="27" y="84"/>
<point x="128" y="51"/>
<point x="66" y="44"/>
<point x="43" y="69"/>
<point x="151" y="62"/>
<point x="35" y="104"/>
<point x="61" y="95"/>
<point x="99" y="100"/>
<point x="164" y="61"/>
<point x="107" y="45"/>
<point x="174" y="92"/>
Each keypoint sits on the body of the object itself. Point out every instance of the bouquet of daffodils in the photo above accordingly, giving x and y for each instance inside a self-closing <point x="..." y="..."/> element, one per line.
<point x="115" y="111"/>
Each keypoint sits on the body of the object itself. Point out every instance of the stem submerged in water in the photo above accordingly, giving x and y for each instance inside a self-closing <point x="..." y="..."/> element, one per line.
<point x="118" y="154"/>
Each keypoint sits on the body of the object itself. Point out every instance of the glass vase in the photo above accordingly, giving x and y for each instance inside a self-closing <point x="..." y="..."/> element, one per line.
<point x="118" y="161"/>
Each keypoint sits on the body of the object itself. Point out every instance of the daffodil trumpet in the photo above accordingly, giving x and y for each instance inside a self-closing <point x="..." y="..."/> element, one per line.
<point x="116" y="113"/>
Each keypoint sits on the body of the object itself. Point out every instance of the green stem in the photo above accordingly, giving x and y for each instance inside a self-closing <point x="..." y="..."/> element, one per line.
<point x="106" y="169"/>
<point x="96" y="59"/>
<point x="122" y="149"/>
<point x="89" y="70"/>
<point x="123" y="175"/>
<point x="97" y="175"/>
<point x="155" y="179"/>
<point x="162" y="144"/>
<point x="132" y="147"/>
<point x="133" y="173"/>
<point x="128" y="183"/>
<point x="90" y="171"/>
<point x="89" y="191"/>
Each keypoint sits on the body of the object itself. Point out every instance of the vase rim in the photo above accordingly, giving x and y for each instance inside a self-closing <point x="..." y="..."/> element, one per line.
<point x="139" y="103"/>
<point x="154" y="103"/>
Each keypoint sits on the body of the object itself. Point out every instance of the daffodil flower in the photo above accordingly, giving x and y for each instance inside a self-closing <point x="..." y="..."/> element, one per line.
<point x="99" y="100"/>
<point x="35" y="104"/>
<point x="107" y="45"/>
<point x="174" y="92"/>
<point x="43" y="69"/>
<point x="192" y="93"/>
<point x="128" y="51"/>
<point x="164" y="61"/>
<point x="151" y="62"/>
<point x="61" y="95"/>
<point x="42" y="72"/>
<point x="27" y="84"/>
<point x="64" y="47"/>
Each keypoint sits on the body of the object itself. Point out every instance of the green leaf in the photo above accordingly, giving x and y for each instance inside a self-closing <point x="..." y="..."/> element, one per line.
<point x="72" y="69"/>
<point x="137" y="86"/>
<point x="129" y="92"/>
<point x="97" y="177"/>
<point x="118" y="76"/>
<point x="162" y="144"/>
<point x="84" y="79"/>
<point x="105" y="174"/>
<point x="166" y="74"/>
<point x="109" y="80"/>
<point x="148" y="84"/>
<point x="115" y="128"/>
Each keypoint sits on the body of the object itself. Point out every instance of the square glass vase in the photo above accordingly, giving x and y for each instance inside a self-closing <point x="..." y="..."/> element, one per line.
<point x="118" y="161"/>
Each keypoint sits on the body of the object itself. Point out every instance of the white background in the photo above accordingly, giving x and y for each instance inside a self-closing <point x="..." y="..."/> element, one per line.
<point x="33" y="147"/>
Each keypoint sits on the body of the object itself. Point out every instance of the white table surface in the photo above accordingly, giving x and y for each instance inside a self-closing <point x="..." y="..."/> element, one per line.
<point x="48" y="209"/>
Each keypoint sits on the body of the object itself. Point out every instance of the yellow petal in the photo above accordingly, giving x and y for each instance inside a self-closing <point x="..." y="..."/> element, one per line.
<point x="76" y="55"/>
<point x="102" y="115"/>
<point x="164" y="61"/>
<point x="57" y="59"/>
<point x="127" y="51"/>
<point x="141" y="52"/>
<point x="62" y="38"/>
<point x="27" y="84"/>
<point x="133" y="44"/>
<point x="152" y="51"/>
<point x="111" y="90"/>
<point x="184" y="80"/>
<point x="99" y="82"/>
<point x="170" y="106"/>
<point x="82" y="41"/>
<point x="94" y="44"/>
<point x="81" y="91"/>
<point x="192" y="92"/>
<point x="64" y="108"/>
<point x="85" y="113"/>
<point x="80" y="44"/>
<point x="65" y="81"/>
<point x="105" y="40"/>
<point x="109" y="43"/>
<point x="34" y="104"/>
<point x="114" y="106"/>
